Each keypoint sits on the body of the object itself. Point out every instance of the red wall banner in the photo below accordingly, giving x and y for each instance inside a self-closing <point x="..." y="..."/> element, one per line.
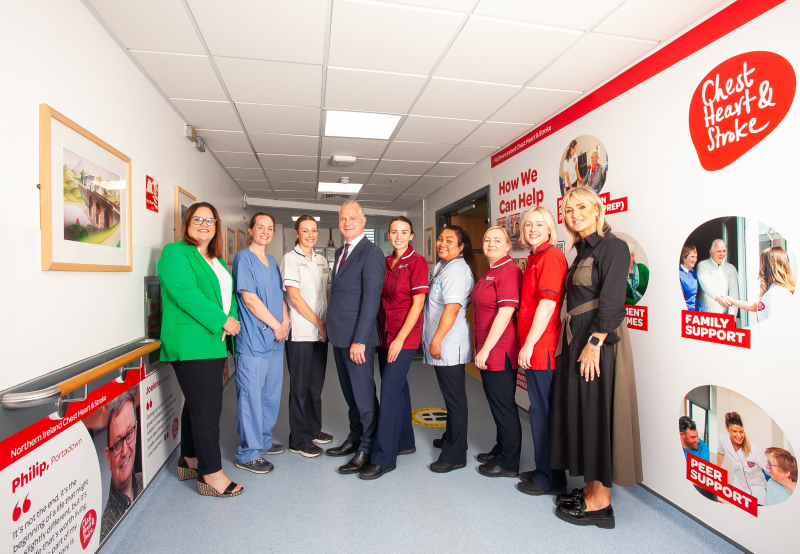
<point x="715" y="480"/>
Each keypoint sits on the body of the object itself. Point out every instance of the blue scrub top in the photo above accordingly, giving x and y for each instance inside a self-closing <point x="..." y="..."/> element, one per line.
<point x="701" y="452"/>
<point x="689" y="286"/>
<point x="250" y="274"/>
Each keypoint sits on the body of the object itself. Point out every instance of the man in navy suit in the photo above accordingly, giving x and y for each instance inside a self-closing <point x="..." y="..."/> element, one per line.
<point x="356" y="286"/>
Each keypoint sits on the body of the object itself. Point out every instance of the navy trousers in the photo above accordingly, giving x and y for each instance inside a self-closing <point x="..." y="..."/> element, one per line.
<point x="500" y="388"/>
<point x="358" y="387"/>
<point x="540" y="392"/>
<point x="395" y="431"/>
<point x="453" y="384"/>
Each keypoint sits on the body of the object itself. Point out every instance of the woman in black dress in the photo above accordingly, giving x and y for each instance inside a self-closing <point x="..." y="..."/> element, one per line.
<point x="594" y="430"/>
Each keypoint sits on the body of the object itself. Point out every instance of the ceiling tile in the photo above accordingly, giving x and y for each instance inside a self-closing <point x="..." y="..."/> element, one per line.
<point x="398" y="181"/>
<point x="230" y="141"/>
<point x="286" y="185"/>
<point x="469" y="154"/>
<point x="450" y="169"/>
<point x="421" y="190"/>
<point x="291" y="175"/>
<point x="417" y="151"/>
<point x="245" y="173"/>
<point x="608" y="55"/>
<point x="261" y="193"/>
<point x="381" y="189"/>
<point x="575" y="14"/>
<point x="656" y="19"/>
<point x="402" y="168"/>
<point x="389" y="37"/>
<point x="435" y="129"/>
<point x="285" y="144"/>
<point x="371" y="91"/>
<point x="532" y="106"/>
<point x="263" y="29"/>
<point x="362" y="165"/>
<point x="472" y="56"/>
<point x="208" y="115"/>
<point x="295" y="195"/>
<point x="237" y="159"/>
<point x="447" y="98"/>
<point x="334" y="176"/>
<point x="153" y="25"/>
<point x="254" y="184"/>
<point x="495" y="134"/>
<point x="435" y="180"/>
<point x="360" y="148"/>
<point x="180" y="76"/>
<point x="457" y="5"/>
<point x="378" y="197"/>
<point x="290" y="120"/>
<point x="266" y="82"/>
<point x="274" y="161"/>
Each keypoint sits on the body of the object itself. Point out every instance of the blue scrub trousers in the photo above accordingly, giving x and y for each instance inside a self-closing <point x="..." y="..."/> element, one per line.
<point x="258" y="388"/>
<point x="395" y="431"/>
<point x="540" y="393"/>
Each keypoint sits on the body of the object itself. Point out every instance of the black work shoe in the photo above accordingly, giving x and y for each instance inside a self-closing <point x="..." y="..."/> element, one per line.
<point x="530" y="487"/>
<point x="310" y="451"/>
<point x="371" y="471"/>
<point x="577" y="515"/>
<point x="274" y="449"/>
<point x="493" y="470"/>
<point x="575" y="496"/>
<point x="355" y="465"/>
<point x="526" y="475"/>
<point x="442" y="467"/>
<point x="406" y="451"/>
<point x="437" y="443"/>
<point x="345" y="449"/>
<point x="485" y="457"/>
<point x="323" y="438"/>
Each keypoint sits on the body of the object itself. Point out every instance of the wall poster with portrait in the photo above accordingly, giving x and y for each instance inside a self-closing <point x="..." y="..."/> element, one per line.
<point x="429" y="255"/>
<point x="230" y="245"/>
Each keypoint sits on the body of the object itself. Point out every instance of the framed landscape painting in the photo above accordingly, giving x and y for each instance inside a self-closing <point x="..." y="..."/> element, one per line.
<point x="230" y="245"/>
<point x="86" y="224"/>
<point x="429" y="257"/>
<point x="242" y="240"/>
<point x="182" y="202"/>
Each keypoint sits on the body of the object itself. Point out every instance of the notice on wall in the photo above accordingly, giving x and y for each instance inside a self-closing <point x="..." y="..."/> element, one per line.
<point x="162" y="402"/>
<point x="714" y="479"/>
<point x="151" y="194"/>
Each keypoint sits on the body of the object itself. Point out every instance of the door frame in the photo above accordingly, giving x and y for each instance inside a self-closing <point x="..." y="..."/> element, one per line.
<point x="443" y="213"/>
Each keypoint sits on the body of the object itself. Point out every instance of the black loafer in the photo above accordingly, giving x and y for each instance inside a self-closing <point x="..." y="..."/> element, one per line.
<point x="526" y="475"/>
<point x="485" y="457"/>
<point x="345" y="449"/>
<point x="531" y="488"/>
<point x="437" y="443"/>
<point x="355" y="465"/>
<point x="442" y="467"/>
<point x="406" y="451"/>
<point x="575" y="496"/>
<point x="493" y="470"/>
<point x="371" y="471"/>
<point x="577" y="515"/>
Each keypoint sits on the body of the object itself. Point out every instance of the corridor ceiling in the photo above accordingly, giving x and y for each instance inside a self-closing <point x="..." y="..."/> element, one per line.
<point x="255" y="78"/>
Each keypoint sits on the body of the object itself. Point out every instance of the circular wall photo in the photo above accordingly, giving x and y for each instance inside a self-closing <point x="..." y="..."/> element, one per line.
<point x="638" y="272"/>
<point x="584" y="162"/>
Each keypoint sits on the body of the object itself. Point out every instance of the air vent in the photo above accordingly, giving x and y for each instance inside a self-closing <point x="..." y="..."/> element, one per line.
<point x="326" y="196"/>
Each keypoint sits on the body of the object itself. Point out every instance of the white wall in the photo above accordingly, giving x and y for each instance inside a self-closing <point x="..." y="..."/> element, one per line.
<point x="416" y="214"/>
<point x="54" y="318"/>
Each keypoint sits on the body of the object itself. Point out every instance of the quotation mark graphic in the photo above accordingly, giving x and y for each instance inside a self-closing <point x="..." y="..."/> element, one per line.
<point x="17" y="513"/>
<point x="149" y="404"/>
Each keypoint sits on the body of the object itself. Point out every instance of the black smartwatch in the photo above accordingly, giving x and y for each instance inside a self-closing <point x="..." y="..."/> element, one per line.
<point x="595" y="343"/>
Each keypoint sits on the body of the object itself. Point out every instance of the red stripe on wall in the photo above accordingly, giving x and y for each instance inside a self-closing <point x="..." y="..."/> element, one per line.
<point x="710" y="30"/>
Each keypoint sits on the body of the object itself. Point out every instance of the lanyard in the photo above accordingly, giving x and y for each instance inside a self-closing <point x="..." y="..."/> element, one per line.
<point x="443" y="266"/>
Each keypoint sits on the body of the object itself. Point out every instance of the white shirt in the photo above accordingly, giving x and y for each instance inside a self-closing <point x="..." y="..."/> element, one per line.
<point x="350" y="248"/>
<point x="310" y="277"/>
<point x="569" y="168"/>
<point x="225" y="283"/>
<point x="747" y="474"/>
<point x="773" y="302"/>
<point x="716" y="280"/>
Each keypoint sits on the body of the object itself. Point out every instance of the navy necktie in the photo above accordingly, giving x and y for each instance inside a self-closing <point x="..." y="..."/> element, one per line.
<point x="344" y="254"/>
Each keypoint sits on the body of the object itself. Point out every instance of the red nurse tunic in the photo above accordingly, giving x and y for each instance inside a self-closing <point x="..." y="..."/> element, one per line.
<point x="408" y="277"/>
<point x="498" y="288"/>
<point x="543" y="280"/>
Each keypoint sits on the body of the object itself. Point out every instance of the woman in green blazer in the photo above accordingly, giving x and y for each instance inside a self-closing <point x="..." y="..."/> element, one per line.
<point x="198" y="315"/>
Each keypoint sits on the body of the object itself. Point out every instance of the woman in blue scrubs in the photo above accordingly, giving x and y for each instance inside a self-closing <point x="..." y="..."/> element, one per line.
<point x="259" y="346"/>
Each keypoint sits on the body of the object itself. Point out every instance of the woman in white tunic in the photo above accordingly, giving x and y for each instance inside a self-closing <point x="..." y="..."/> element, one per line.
<point x="777" y="285"/>
<point x="746" y="460"/>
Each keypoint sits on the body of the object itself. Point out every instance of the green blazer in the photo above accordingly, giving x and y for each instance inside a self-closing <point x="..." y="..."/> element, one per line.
<point x="191" y="304"/>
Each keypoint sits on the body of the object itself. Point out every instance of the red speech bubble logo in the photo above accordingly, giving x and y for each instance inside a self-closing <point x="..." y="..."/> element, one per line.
<point x="175" y="428"/>
<point x="738" y="104"/>
<point x="87" y="527"/>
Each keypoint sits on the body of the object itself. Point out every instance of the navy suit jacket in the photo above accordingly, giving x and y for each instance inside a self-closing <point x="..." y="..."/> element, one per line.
<point x="356" y="297"/>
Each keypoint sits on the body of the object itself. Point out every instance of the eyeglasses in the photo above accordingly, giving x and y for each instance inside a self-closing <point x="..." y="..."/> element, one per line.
<point x="210" y="221"/>
<point x="116" y="448"/>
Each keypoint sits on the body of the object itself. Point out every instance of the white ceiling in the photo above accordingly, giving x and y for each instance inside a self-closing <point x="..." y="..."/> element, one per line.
<point x="255" y="77"/>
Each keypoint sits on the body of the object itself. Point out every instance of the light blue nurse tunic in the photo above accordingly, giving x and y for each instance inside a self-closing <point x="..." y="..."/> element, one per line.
<point x="452" y="283"/>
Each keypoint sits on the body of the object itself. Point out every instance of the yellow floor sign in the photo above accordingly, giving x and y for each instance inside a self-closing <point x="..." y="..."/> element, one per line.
<point x="430" y="417"/>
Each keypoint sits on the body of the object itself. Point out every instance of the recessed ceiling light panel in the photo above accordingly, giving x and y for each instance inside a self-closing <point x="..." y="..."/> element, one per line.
<point x="360" y="124"/>
<point x="296" y="217"/>
<point x="345" y="188"/>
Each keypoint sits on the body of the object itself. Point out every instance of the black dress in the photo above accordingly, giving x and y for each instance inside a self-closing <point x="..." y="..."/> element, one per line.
<point x="583" y="415"/>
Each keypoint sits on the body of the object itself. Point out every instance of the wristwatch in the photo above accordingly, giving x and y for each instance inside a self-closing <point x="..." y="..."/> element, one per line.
<point x="595" y="343"/>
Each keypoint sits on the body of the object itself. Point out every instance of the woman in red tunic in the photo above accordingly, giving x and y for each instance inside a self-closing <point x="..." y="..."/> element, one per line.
<point x="539" y="329"/>
<point x="496" y="299"/>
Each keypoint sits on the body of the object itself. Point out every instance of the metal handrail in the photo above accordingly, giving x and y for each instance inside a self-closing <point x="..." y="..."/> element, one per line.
<point x="57" y="392"/>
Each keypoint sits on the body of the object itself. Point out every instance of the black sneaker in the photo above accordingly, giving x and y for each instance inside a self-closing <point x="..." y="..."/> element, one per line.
<point x="274" y="449"/>
<point x="323" y="438"/>
<point x="259" y="465"/>
<point x="310" y="451"/>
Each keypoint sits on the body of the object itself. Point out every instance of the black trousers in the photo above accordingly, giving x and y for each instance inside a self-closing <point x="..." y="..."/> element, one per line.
<point x="500" y="388"/>
<point x="306" y="361"/>
<point x="201" y="384"/>
<point x="453" y="384"/>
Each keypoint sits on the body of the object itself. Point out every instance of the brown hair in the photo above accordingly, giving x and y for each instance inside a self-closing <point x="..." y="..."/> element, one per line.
<point x="572" y="144"/>
<point x="733" y="418"/>
<point x="786" y="462"/>
<point x="404" y="219"/>
<point x="215" y="246"/>
<point x="302" y="218"/>
<point x="685" y="251"/>
<point x="463" y="239"/>
<point x="775" y="269"/>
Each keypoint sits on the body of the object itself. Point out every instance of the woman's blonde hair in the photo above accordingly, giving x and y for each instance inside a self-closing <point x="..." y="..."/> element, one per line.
<point x="587" y="195"/>
<point x="549" y="220"/>
<point x="775" y="269"/>
<point x="499" y="228"/>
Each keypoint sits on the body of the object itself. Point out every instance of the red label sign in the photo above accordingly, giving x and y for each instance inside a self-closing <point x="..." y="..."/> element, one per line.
<point x="636" y="317"/>
<point x="611" y="206"/>
<point x="718" y="328"/>
<point x="88" y="525"/>
<point x="151" y="194"/>
<point x="715" y="480"/>
<point x="738" y="104"/>
<point x="522" y="382"/>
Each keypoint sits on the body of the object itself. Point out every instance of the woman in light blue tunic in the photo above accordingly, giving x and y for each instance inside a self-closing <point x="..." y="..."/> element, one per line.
<point x="447" y="342"/>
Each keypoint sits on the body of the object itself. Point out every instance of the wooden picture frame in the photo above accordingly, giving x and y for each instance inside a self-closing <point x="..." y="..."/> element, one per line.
<point x="230" y="245"/>
<point x="183" y="200"/>
<point x="242" y="236"/>
<point x="429" y="257"/>
<point x="88" y="226"/>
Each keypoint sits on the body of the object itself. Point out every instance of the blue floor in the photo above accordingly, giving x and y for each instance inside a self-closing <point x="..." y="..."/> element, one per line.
<point x="303" y="505"/>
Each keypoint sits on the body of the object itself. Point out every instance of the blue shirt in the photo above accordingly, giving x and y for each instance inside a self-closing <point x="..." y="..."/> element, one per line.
<point x="701" y="452"/>
<point x="250" y="274"/>
<point x="776" y="493"/>
<point x="451" y="284"/>
<point x="689" y="286"/>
